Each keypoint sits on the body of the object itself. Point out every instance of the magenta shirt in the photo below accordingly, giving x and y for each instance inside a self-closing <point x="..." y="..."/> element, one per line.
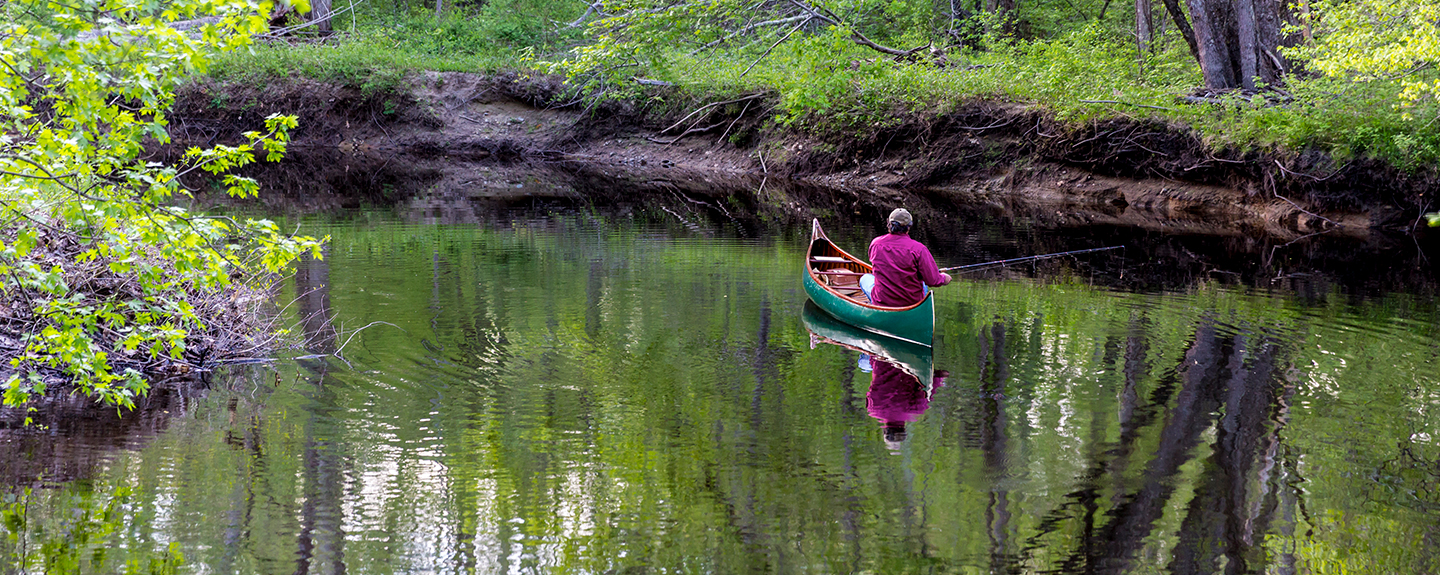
<point x="902" y="268"/>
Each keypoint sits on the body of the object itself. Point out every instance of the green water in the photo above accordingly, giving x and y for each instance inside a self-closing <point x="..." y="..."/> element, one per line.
<point x="576" y="393"/>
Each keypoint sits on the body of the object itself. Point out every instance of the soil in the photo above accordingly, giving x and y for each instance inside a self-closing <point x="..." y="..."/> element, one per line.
<point x="457" y="131"/>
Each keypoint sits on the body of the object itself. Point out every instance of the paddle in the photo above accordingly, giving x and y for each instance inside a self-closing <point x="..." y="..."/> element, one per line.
<point x="1026" y="259"/>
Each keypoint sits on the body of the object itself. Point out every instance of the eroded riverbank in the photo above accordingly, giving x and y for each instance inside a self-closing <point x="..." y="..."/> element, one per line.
<point x="1138" y="172"/>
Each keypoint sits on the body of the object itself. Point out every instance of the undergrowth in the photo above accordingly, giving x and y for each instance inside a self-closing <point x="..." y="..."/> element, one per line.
<point x="378" y="45"/>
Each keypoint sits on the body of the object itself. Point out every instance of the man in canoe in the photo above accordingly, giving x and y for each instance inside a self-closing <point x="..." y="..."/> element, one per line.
<point x="904" y="268"/>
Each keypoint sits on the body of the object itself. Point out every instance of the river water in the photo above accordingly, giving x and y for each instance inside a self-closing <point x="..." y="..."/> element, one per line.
<point x="570" y="388"/>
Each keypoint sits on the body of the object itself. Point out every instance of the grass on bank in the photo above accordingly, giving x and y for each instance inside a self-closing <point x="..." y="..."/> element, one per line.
<point x="827" y="83"/>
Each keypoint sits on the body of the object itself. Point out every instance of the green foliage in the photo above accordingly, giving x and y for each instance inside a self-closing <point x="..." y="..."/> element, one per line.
<point x="82" y="89"/>
<point x="1370" y="40"/>
<point x="390" y="40"/>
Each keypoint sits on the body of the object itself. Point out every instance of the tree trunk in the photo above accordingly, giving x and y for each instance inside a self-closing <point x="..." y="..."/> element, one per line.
<point x="1237" y="41"/>
<point x="1245" y="30"/>
<point x="1218" y="42"/>
<point x="1271" y="17"/>
<point x="1143" y="27"/>
<point x="320" y="14"/>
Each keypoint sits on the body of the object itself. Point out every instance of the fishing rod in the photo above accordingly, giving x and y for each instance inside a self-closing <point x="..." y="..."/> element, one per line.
<point x="1027" y="259"/>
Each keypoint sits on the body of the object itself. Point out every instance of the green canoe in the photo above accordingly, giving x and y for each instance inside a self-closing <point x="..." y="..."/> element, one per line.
<point x="917" y="360"/>
<point x="832" y="280"/>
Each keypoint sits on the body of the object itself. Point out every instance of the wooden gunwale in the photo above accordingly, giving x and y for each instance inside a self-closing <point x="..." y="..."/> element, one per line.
<point x="817" y="234"/>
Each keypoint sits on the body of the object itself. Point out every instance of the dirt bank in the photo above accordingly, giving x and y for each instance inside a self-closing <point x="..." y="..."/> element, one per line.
<point x="440" y="125"/>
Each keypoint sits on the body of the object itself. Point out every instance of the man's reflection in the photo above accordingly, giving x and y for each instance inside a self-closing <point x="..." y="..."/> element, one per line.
<point x="896" y="397"/>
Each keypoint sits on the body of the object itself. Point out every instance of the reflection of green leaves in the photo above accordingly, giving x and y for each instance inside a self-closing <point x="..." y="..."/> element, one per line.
<point x="78" y="530"/>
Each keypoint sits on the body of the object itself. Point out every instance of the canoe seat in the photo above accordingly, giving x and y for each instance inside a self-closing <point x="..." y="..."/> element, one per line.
<point x="856" y="294"/>
<point x="828" y="260"/>
<point x="841" y="277"/>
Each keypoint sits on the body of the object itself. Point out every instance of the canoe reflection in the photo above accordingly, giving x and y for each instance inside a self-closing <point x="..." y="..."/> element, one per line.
<point x="902" y="373"/>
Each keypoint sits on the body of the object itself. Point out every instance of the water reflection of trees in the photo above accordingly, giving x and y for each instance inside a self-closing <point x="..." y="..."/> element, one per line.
<point x="1226" y="384"/>
<point x="556" y="402"/>
<point x="320" y="540"/>
<point x="595" y="413"/>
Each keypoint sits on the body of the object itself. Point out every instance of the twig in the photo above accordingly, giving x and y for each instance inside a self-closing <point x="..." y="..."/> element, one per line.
<point x="1126" y="104"/>
<point x="336" y="353"/>
<point x="686" y="133"/>
<point x="732" y="123"/>
<point x="711" y="105"/>
<point x="990" y="127"/>
<point x="749" y="28"/>
<point x="772" y="46"/>
<point x="1284" y="169"/>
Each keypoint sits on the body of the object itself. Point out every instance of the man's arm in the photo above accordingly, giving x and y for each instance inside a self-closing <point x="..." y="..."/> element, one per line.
<point x="929" y="271"/>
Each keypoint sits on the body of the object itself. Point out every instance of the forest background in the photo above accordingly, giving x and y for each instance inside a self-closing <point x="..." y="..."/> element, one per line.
<point x="1350" y="78"/>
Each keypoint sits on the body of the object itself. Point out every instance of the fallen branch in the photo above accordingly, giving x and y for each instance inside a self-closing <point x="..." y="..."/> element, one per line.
<point x="686" y="133"/>
<point x="590" y="9"/>
<point x="732" y="122"/>
<point x="751" y="28"/>
<point x="860" y="39"/>
<point x="825" y="14"/>
<point x="277" y="34"/>
<point x="650" y="82"/>
<point x="1126" y="104"/>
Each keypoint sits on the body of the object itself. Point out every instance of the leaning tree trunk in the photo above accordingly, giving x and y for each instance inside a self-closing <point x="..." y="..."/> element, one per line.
<point x="1178" y="16"/>
<point x="1218" y="41"/>
<point x="1236" y="41"/>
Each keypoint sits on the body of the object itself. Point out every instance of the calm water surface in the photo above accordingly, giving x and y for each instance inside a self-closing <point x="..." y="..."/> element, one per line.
<point x="603" y="392"/>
